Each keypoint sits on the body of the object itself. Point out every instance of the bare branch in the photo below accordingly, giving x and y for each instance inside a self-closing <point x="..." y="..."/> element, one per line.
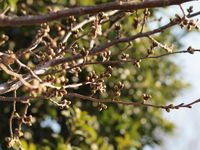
<point x="4" y="68"/>
<point x="42" y="68"/>
<point x="126" y="6"/>
<point x="136" y="104"/>
<point x="96" y="100"/>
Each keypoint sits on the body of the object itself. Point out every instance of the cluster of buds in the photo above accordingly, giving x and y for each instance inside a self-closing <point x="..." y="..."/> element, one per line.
<point x="107" y="73"/>
<point x="18" y="132"/>
<point x="60" y="92"/>
<point x="47" y="57"/>
<point x="56" y="80"/>
<point x="92" y="77"/>
<point x="190" y="10"/>
<point x="106" y="55"/>
<point x="75" y="71"/>
<point x="50" y="78"/>
<point x="16" y="116"/>
<point x="71" y="20"/>
<point x="84" y="53"/>
<point x="97" y="82"/>
<point x="24" y="8"/>
<point x="14" y="139"/>
<point x="124" y="56"/>
<point x="117" y="89"/>
<point x="74" y="49"/>
<point x="39" y="57"/>
<point x="64" y="104"/>
<point x="146" y="97"/>
<point x="102" y="16"/>
<point x="51" y="53"/>
<point x="190" y="50"/>
<point x="43" y="31"/>
<point x="75" y="32"/>
<point x="98" y="86"/>
<point x="3" y="39"/>
<point x="28" y="120"/>
<point x="59" y="29"/>
<point x="150" y="50"/>
<point x="97" y="27"/>
<point x="10" y="142"/>
<point x="38" y="88"/>
<point x="186" y="22"/>
<point x="60" y="48"/>
<point x="56" y="92"/>
<point x="170" y="106"/>
<point x="136" y="63"/>
<point x="102" y="107"/>
<point x="7" y="59"/>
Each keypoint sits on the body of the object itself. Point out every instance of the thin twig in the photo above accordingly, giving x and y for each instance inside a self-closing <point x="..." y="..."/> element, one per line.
<point x="121" y="102"/>
<point x="136" y="104"/>
<point x="27" y="68"/>
<point x="12" y="115"/>
<point x="4" y="68"/>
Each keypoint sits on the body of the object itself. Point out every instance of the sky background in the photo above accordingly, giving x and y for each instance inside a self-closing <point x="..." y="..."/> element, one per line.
<point x="187" y="121"/>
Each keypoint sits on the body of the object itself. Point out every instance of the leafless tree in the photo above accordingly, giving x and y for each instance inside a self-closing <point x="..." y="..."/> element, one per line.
<point x="58" y="55"/>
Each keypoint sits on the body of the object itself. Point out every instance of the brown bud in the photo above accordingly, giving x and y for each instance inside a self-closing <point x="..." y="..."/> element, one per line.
<point x="18" y="133"/>
<point x="117" y="27"/>
<point x="190" y="9"/>
<point x="6" y="59"/>
<point x="146" y="96"/>
<point x="190" y="50"/>
<point x="117" y="94"/>
<point x="167" y="109"/>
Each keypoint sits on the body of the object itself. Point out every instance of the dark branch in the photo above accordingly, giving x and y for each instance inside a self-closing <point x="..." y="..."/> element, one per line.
<point x="136" y="104"/>
<point x="78" y="11"/>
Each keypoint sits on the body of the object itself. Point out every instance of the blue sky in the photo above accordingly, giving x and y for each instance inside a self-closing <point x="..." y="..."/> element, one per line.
<point x="187" y="121"/>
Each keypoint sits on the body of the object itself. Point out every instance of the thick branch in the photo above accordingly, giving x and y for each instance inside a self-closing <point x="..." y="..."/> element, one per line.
<point x="78" y="11"/>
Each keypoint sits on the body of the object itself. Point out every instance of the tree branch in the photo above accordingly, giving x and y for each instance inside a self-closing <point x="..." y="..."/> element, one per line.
<point x="142" y="103"/>
<point x="96" y="100"/>
<point x="43" y="68"/>
<point x="79" y="11"/>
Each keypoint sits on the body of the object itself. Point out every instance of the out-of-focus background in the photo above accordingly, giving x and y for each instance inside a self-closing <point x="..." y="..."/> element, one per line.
<point x="82" y="126"/>
<point x="187" y="121"/>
